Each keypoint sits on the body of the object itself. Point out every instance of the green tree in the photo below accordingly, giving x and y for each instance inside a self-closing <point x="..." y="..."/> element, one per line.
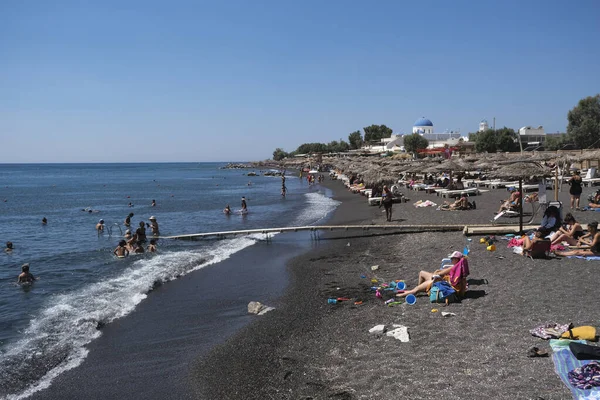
<point x="338" y="147"/>
<point x="486" y="141"/>
<point x="309" y="148"/>
<point x="507" y="139"/>
<point x="356" y="140"/>
<point x="279" y="154"/>
<point x="375" y="133"/>
<point x="415" y="142"/>
<point x="584" y="123"/>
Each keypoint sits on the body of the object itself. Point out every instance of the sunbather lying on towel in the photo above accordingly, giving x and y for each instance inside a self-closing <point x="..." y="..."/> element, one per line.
<point x="461" y="204"/>
<point x="513" y="201"/>
<point x="456" y="275"/>
<point x="591" y="239"/>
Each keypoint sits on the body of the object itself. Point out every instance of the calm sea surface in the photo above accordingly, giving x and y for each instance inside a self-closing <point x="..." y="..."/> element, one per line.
<point x="81" y="286"/>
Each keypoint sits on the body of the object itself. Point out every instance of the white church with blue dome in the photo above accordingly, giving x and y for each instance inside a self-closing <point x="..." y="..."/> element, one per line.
<point x="423" y="126"/>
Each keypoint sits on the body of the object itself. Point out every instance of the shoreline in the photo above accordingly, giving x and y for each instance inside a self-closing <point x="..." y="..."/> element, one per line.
<point x="310" y="349"/>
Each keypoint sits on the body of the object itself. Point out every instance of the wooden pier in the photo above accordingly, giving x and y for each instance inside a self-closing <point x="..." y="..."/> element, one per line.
<point x="466" y="229"/>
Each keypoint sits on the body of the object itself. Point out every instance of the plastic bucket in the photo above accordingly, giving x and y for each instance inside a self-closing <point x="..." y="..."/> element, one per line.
<point x="400" y="285"/>
<point x="411" y="299"/>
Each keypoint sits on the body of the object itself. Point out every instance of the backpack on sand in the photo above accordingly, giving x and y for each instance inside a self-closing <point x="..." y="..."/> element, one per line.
<point x="442" y="292"/>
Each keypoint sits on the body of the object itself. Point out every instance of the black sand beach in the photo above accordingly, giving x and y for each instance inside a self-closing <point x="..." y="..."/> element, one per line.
<point x="309" y="349"/>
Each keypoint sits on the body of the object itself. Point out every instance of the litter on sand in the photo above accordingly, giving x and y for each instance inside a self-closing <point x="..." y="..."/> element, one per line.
<point x="447" y="314"/>
<point x="400" y="332"/>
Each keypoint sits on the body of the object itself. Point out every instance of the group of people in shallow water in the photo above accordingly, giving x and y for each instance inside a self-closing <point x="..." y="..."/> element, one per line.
<point x="244" y="210"/>
<point x="131" y="243"/>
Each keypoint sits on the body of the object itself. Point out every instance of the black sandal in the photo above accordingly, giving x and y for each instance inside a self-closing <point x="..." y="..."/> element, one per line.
<point x="535" y="352"/>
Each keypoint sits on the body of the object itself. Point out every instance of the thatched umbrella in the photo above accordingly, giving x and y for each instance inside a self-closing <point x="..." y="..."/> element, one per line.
<point x="520" y="170"/>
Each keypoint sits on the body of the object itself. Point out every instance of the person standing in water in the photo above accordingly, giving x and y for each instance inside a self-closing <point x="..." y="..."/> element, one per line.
<point x="227" y="210"/>
<point x="152" y="246"/>
<point x="140" y="233"/>
<point x="154" y="226"/>
<point x="44" y="221"/>
<point x="153" y="203"/>
<point x="244" y="206"/>
<point x="121" y="250"/>
<point x="9" y="247"/>
<point x="25" y="276"/>
<point x="128" y="220"/>
<point x="100" y="226"/>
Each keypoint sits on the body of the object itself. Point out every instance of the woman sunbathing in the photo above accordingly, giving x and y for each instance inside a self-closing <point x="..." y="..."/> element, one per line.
<point x="570" y="234"/>
<point x="528" y="243"/>
<point x="456" y="278"/>
<point x="591" y="239"/>
<point x="461" y="204"/>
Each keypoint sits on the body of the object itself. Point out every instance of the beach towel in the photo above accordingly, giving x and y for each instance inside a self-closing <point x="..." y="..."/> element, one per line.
<point x="565" y="362"/>
<point x="550" y="330"/>
<point x="458" y="276"/>
<point x="589" y="258"/>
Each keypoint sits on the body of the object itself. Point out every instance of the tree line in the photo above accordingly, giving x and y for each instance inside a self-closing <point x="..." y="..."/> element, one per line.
<point x="372" y="134"/>
<point x="583" y="131"/>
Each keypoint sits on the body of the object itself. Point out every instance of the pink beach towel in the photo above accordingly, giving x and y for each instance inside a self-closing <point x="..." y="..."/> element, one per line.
<point x="458" y="276"/>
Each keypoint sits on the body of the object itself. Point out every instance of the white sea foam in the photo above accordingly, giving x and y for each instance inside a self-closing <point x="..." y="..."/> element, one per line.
<point x="55" y="339"/>
<point x="318" y="207"/>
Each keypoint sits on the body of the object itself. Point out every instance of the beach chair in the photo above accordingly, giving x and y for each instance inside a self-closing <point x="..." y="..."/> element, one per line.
<point x="540" y="249"/>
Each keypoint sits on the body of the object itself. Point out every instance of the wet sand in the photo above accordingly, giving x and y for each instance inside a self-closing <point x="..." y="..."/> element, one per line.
<point x="309" y="349"/>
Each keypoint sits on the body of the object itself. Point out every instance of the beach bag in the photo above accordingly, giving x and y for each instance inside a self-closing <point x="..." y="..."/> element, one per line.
<point x="584" y="351"/>
<point x="580" y="332"/>
<point x="442" y="292"/>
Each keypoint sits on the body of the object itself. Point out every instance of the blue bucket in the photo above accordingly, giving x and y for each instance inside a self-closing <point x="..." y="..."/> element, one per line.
<point x="411" y="299"/>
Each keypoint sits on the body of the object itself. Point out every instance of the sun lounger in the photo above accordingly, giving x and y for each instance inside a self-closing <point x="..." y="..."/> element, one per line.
<point x="458" y="193"/>
<point x="374" y="201"/>
<point x="418" y="186"/>
<point x="532" y="188"/>
<point x="590" y="181"/>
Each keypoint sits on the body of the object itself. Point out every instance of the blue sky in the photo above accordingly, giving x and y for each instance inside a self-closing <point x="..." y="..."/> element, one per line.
<point x="114" y="81"/>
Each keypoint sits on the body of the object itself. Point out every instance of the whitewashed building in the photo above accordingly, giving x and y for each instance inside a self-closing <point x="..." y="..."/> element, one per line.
<point x="532" y="137"/>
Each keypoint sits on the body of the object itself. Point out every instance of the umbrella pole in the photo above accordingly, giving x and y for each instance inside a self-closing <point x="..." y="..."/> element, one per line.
<point x="521" y="208"/>
<point x="556" y="182"/>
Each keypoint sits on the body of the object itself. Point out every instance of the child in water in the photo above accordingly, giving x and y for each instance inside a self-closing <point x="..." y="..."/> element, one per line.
<point x="9" y="247"/>
<point x="25" y="276"/>
<point x="152" y="246"/>
<point x="121" y="250"/>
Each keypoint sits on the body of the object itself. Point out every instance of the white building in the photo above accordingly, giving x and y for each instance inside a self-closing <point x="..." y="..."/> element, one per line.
<point x="532" y="137"/>
<point x="484" y="126"/>
<point x="423" y="126"/>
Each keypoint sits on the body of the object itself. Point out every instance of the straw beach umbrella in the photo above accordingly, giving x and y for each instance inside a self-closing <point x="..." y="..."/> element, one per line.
<point x="520" y="170"/>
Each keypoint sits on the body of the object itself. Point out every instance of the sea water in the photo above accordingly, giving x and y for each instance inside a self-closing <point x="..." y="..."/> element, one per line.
<point x="81" y="286"/>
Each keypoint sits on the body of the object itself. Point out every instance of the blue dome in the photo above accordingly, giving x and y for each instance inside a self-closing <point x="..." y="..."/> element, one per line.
<point x="423" y="122"/>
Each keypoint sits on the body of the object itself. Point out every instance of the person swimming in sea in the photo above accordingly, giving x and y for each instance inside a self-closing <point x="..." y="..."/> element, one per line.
<point x="153" y="203"/>
<point x="100" y="226"/>
<point x="128" y="219"/>
<point x="227" y="210"/>
<point x="44" y="221"/>
<point x="9" y="247"/>
<point x="25" y="276"/>
<point x="127" y="234"/>
<point x="152" y="246"/>
<point x="121" y="250"/>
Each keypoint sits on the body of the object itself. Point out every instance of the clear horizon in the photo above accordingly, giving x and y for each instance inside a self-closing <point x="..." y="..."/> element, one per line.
<point x="151" y="82"/>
